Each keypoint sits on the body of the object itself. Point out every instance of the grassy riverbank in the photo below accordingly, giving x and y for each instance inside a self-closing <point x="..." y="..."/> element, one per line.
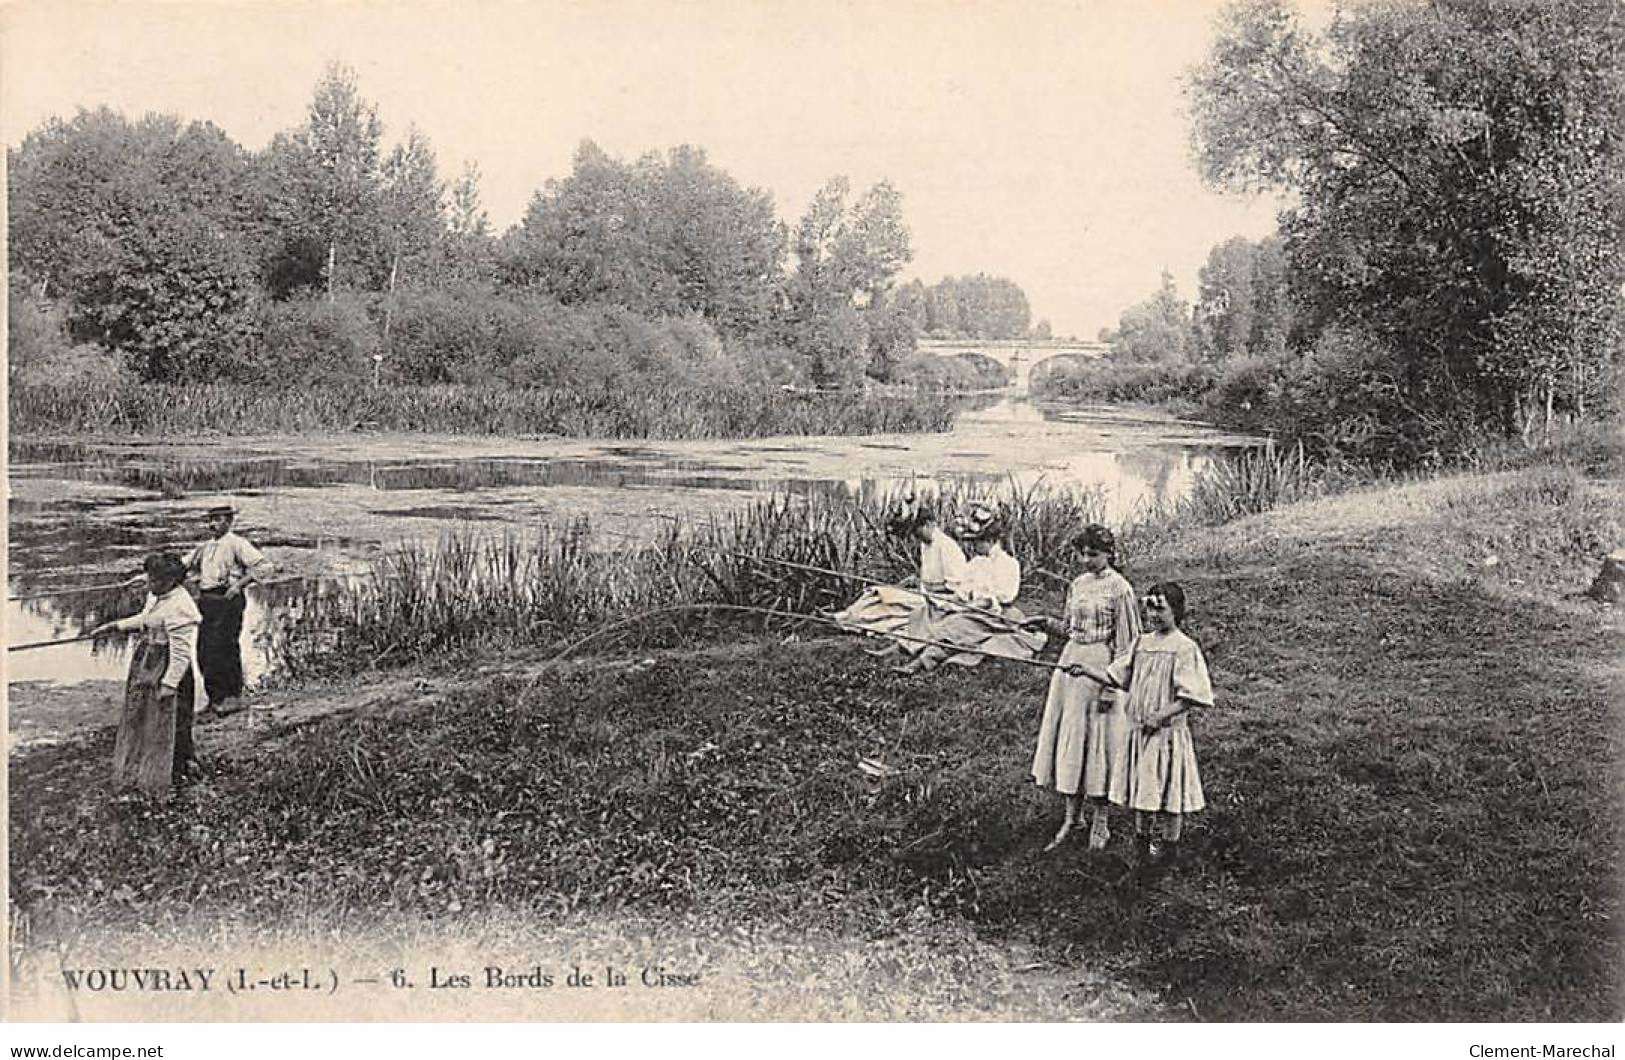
<point x="1412" y="771"/>
<point x="667" y="412"/>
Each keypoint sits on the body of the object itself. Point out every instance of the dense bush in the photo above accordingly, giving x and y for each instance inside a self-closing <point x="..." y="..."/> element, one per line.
<point x="1346" y="399"/>
<point x="307" y="341"/>
<point x="39" y="351"/>
<point x="1110" y="379"/>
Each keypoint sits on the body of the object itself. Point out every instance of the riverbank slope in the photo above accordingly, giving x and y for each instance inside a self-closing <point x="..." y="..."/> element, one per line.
<point x="1412" y="771"/>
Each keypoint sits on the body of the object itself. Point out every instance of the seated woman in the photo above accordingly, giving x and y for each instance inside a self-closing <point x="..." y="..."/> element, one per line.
<point x="887" y="608"/>
<point x="980" y="613"/>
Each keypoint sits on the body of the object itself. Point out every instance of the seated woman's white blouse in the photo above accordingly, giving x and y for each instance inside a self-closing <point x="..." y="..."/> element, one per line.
<point x="942" y="562"/>
<point x="995" y="576"/>
<point x="172" y="618"/>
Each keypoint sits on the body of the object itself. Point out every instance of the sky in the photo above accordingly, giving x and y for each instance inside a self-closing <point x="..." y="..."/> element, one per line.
<point x="1039" y="140"/>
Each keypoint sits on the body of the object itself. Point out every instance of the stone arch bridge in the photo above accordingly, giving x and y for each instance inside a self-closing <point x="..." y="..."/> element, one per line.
<point x="1020" y="356"/>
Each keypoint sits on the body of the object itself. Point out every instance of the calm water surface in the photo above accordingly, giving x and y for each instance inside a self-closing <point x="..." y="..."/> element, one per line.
<point x="83" y="514"/>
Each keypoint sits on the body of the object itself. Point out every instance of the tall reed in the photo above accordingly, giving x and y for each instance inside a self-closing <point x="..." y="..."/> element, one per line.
<point x="668" y="412"/>
<point x="1250" y="482"/>
<point x="786" y="553"/>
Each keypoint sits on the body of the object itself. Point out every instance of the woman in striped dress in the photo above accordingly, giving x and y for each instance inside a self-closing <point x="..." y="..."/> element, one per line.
<point x="1083" y="737"/>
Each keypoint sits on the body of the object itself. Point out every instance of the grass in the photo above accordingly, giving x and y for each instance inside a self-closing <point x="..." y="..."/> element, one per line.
<point x="1412" y="770"/>
<point x="694" y="412"/>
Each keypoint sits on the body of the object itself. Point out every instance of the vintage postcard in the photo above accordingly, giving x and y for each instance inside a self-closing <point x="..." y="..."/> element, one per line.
<point x="844" y="511"/>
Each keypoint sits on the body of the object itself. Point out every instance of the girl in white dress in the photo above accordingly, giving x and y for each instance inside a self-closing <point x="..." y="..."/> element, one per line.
<point x="1166" y="678"/>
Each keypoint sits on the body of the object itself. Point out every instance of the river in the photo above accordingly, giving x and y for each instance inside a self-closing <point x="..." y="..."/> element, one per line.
<point x="83" y="513"/>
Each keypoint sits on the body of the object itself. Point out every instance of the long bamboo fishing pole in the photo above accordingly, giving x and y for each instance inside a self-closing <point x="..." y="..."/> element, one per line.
<point x="77" y="589"/>
<point x="948" y="603"/>
<point x="48" y="643"/>
<point x="954" y="649"/>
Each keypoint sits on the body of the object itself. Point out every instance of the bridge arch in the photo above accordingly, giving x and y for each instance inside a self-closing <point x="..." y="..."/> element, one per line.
<point x="1062" y="361"/>
<point x="1020" y="357"/>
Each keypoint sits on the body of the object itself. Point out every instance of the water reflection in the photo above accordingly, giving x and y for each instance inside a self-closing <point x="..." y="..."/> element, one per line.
<point x="82" y="527"/>
<point x="106" y="659"/>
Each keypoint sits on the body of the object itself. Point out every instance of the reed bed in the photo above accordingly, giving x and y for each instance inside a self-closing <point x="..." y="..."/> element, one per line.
<point x="786" y="553"/>
<point x="1251" y="482"/>
<point x="665" y="412"/>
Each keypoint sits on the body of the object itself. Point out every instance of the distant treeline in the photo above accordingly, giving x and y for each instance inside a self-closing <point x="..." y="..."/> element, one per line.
<point x="1452" y="269"/>
<point x="159" y="251"/>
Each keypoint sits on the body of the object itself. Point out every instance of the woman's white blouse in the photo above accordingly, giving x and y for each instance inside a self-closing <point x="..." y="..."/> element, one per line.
<point x="995" y="576"/>
<point x="942" y="562"/>
<point x="172" y="618"/>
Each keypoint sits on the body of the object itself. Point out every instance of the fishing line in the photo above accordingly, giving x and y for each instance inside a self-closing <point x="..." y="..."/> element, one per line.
<point x="947" y="603"/>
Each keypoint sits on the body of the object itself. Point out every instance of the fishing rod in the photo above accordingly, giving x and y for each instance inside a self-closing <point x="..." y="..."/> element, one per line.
<point x="130" y="584"/>
<point x="48" y="643"/>
<point x="947" y="602"/>
<point x="77" y="589"/>
<point x="955" y="649"/>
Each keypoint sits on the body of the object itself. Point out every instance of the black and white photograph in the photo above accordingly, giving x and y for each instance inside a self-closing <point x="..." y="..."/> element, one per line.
<point x="845" y="512"/>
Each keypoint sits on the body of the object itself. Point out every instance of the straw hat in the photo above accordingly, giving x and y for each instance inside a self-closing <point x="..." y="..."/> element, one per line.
<point x="981" y="522"/>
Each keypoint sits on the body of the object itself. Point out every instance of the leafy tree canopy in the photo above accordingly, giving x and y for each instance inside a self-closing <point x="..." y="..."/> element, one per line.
<point x="1459" y="182"/>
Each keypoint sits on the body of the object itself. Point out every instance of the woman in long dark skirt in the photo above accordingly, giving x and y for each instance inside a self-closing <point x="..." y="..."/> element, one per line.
<point x="153" y="749"/>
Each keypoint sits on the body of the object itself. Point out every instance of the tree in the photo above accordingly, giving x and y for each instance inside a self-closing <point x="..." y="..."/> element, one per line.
<point x="468" y="251"/>
<point x="1158" y="329"/>
<point x="850" y="254"/>
<point x="892" y="340"/>
<point x="669" y="235"/>
<point x="976" y="307"/>
<point x="322" y="184"/>
<point x="944" y="315"/>
<point x="411" y="212"/>
<point x="1460" y="185"/>
<point x="141" y="230"/>
<point x="468" y="218"/>
<point x="909" y="300"/>
<point x="873" y="245"/>
<point x="1243" y="304"/>
<point x="722" y="243"/>
<point x="411" y="206"/>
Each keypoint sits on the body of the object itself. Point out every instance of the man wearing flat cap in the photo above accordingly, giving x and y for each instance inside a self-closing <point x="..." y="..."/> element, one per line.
<point x="225" y="565"/>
